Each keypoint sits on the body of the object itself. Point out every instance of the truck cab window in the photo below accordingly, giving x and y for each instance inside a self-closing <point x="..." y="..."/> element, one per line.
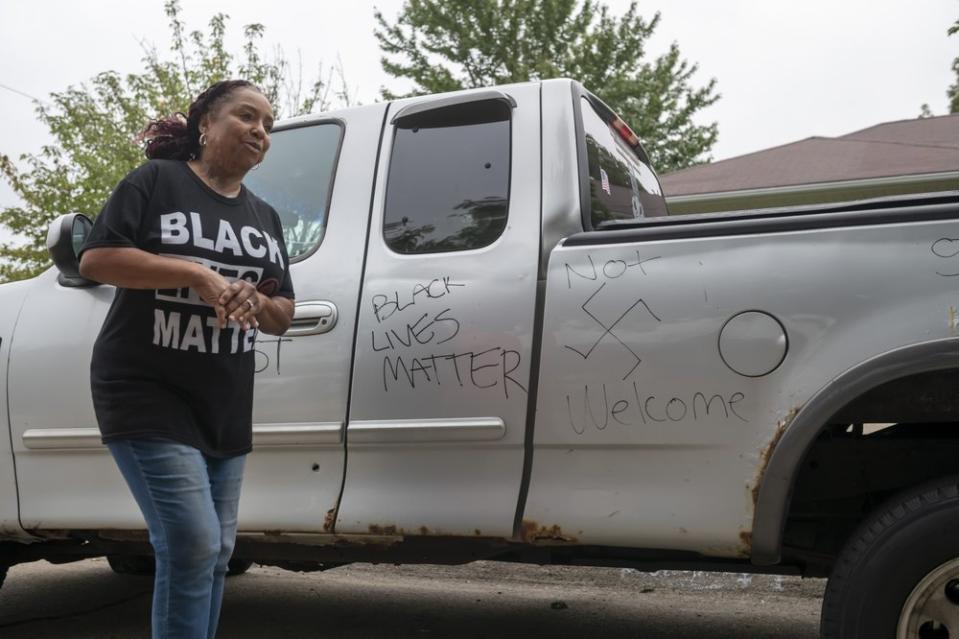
<point x="622" y="184"/>
<point x="296" y="178"/>
<point x="448" y="184"/>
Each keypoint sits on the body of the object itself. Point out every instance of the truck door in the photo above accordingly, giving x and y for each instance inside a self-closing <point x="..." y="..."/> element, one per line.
<point x="318" y="176"/>
<point x="439" y="396"/>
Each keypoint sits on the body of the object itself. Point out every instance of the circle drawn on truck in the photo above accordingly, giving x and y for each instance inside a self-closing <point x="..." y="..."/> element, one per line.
<point x="753" y="343"/>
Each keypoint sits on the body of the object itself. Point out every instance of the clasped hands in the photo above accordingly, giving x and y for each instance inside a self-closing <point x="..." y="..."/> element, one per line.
<point x="238" y="301"/>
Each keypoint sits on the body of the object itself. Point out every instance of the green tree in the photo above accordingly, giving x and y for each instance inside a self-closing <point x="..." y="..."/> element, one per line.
<point x="953" y="91"/>
<point x="94" y="126"/>
<point x="445" y="45"/>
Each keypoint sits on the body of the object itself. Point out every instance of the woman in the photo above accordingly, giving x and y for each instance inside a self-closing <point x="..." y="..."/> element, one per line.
<point x="199" y="265"/>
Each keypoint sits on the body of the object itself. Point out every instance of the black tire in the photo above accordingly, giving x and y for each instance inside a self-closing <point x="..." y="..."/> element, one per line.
<point x="3" y="574"/>
<point x="139" y="565"/>
<point x="905" y="540"/>
<point x="237" y="566"/>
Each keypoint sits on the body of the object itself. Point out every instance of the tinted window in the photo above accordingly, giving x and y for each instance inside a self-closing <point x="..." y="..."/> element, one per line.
<point x="296" y="179"/>
<point x="448" y="185"/>
<point x="622" y="185"/>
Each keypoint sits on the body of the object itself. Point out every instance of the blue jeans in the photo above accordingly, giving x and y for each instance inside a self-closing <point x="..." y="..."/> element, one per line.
<point x="189" y="502"/>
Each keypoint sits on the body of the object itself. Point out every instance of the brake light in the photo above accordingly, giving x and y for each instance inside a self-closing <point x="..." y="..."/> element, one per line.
<point x="625" y="132"/>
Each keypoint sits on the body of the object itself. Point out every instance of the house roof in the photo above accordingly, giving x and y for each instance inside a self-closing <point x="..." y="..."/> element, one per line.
<point x="906" y="147"/>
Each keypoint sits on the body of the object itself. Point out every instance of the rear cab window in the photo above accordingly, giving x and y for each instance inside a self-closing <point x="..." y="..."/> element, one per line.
<point x="449" y="178"/>
<point x="622" y="184"/>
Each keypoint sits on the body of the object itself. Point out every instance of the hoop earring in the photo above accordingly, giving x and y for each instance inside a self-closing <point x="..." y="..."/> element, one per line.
<point x="202" y="139"/>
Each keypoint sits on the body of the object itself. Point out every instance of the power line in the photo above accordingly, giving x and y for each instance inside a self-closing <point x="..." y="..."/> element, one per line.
<point x="18" y="92"/>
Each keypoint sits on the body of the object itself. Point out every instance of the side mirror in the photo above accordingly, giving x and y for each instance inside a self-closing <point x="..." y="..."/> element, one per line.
<point x="65" y="236"/>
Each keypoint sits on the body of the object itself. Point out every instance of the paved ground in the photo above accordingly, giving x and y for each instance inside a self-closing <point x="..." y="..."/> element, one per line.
<point x="85" y="600"/>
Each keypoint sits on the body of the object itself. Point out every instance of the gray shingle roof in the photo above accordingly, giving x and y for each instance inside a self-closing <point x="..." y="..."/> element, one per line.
<point x="907" y="147"/>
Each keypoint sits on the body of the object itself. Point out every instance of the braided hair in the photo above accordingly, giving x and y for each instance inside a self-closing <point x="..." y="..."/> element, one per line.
<point x="177" y="137"/>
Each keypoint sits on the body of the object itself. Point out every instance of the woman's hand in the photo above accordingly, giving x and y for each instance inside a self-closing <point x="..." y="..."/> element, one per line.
<point x="211" y="286"/>
<point x="240" y="302"/>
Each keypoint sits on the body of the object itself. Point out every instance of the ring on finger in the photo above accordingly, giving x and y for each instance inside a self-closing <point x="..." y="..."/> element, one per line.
<point x="250" y="304"/>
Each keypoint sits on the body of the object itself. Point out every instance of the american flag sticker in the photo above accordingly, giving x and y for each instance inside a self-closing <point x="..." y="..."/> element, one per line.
<point x="605" y="181"/>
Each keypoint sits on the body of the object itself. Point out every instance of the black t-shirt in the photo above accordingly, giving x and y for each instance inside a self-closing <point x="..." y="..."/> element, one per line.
<point x="161" y="367"/>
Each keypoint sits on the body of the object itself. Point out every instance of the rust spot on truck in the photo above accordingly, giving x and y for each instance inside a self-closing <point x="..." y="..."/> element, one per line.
<point x="274" y="537"/>
<point x="532" y="532"/>
<point x="329" y="520"/>
<point x="393" y="529"/>
<point x="767" y="452"/>
<point x="752" y="489"/>
<point x="376" y="529"/>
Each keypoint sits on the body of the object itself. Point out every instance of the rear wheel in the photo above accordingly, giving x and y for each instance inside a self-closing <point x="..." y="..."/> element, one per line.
<point x="932" y="609"/>
<point x="898" y="575"/>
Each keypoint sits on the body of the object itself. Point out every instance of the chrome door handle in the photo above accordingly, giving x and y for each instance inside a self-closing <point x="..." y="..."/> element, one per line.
<point x="312" y="318"/>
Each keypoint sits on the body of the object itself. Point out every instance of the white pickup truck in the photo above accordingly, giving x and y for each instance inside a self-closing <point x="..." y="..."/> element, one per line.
<point x="505" y="348"/>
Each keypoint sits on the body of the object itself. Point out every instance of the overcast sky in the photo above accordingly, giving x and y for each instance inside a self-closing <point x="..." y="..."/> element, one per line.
<point x="786" y="70"/>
